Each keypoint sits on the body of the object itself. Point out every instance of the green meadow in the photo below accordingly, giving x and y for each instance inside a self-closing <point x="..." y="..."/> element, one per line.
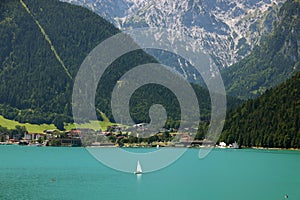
<point x="11" y="124"/>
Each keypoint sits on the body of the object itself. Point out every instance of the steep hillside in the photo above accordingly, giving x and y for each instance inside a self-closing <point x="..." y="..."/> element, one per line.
<point x="271" y="120"/>
<point x="42" y="45"/>
<point x="270" y="64"/>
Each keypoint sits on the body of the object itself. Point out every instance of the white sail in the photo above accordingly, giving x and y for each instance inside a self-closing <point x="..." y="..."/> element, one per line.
<point x="138" y="168"/>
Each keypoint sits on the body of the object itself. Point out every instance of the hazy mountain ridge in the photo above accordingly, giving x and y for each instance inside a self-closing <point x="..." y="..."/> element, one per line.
<point x="227" y="29"/>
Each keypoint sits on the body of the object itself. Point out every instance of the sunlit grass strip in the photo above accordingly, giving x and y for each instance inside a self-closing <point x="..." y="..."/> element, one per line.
<point x="35" y="128"/>
<point x="90" y="125"/>
<point x="48" y="40"/>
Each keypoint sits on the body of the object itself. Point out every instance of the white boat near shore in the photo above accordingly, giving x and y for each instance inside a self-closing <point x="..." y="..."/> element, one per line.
<point x="235" y="145"/>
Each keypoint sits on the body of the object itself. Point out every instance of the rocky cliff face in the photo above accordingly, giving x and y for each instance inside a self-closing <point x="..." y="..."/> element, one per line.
<point x="227" y="29"/>
<point x="273" y="61"/>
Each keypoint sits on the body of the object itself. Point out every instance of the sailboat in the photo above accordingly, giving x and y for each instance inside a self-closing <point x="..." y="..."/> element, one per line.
<point x="138" y="168"/>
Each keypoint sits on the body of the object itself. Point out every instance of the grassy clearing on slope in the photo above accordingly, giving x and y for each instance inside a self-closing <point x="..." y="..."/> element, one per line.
<point x="95" y="125"/>
<point x="11" y="124"/>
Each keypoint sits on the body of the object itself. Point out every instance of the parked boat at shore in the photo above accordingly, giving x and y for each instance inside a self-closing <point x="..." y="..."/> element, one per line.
<point x="235" y="145"/>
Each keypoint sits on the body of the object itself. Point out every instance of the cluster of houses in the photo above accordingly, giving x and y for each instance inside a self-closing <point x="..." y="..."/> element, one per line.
<point x="114" y="136"/>
<point x="47" y="138"/>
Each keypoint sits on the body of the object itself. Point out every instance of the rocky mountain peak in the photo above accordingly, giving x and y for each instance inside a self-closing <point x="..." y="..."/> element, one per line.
<point x="227" y="29"/>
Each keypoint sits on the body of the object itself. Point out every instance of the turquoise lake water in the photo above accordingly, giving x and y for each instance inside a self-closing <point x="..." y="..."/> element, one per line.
<point x="72" y="173"/>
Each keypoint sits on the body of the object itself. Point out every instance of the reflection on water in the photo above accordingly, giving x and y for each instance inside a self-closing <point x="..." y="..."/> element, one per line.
<point x="139" y="177"/>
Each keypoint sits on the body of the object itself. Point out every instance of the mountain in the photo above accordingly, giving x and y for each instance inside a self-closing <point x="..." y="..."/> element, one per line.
<point x="227" y="29"/>
<point x="271" y="120"/>
<point x="273" y="61"/>
<point x="43" y="44"/>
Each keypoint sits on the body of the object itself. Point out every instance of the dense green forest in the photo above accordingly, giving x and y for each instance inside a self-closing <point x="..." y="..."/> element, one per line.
<point x="273" y="61"/>
<point x="42" y="45"/>
<point x="35" y="86"/>
<point x="272" y="120"/>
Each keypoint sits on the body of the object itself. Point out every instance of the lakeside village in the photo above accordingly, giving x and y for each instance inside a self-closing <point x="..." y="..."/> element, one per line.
<point x="114" y="136"/>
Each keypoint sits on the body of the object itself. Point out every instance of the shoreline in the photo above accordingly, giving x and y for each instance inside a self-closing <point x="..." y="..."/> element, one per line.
<point x="150" y="147"/>
<point x="273" y="148"/>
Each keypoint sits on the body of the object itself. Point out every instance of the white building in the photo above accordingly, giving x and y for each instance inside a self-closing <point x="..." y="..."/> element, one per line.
<point x="222" y="144"/>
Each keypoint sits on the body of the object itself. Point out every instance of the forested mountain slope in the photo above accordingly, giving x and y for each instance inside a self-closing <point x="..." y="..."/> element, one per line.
<point x="271" y="63"/>
<point x="272" y="120"/>
<point x="42" y="45"/>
